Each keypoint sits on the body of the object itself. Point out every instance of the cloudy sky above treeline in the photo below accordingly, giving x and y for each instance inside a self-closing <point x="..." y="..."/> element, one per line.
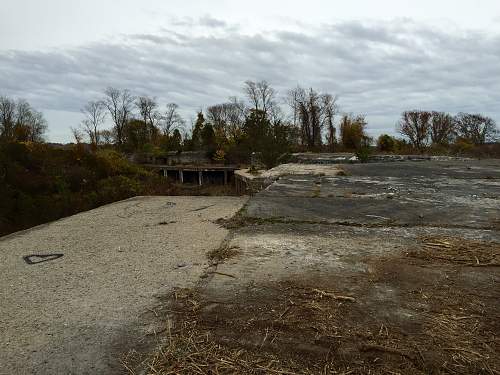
<point x="380" y="57"/>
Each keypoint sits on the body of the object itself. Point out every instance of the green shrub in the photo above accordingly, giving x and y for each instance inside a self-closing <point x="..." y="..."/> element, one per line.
<point x="363" y="154"/>
<point x="117" y="188"/>
<point x="39" y="183"/>
<point x="386" y="143"/>
<point x="113" y="163"/>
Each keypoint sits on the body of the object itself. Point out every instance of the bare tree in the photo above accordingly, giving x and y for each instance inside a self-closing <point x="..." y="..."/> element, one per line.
<point x="77" y="135"/>
<point x="292" y="100"/>
<point x="30" y="125"/>
<point x="23" y="112"/>
<point x="95" y="113"/>
<point x="442" y="128"/>
<point x="330" y="110"/>
<point x="119" y="104"/>
<point x="261" y="96"/>
<point x="227" y="118"/>
<point x="106" y="136"/>
<point x="314" y="116"/>
<point x="415" y="126"/>
<point x="7" y="117"/>
<point x="236" y="116"/>
<point x="313" y="112"/>
<point x="477" y="128"/>
<point x="217" y="116"/>
<point x="276" y="116"/>
<point x="147" y="107"/>
<point x="171" y="119"/>
<point x="35" y="126"/>
<point x="21" y="122"/>
<point x="297" y="100"/>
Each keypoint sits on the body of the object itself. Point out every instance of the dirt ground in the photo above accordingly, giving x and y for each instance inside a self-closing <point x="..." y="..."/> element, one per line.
<point x="411" y="313"/>
<point x="288" y="293"/>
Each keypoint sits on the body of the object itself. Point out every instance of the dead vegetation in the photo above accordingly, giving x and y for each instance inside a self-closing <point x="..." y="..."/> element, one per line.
<point x="426" y="312"/>
<point x="222" y="253"/>
<point x="315" y="326"/>
<point x="342" y="171"/>
<point x="459" y="251"/>
<point x="193" y="351"/>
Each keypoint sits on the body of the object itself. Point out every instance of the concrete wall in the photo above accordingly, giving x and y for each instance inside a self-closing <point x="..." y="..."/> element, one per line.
<point x="175" y="158"/>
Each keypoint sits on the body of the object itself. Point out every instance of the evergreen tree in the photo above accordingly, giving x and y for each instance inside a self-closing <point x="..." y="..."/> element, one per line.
<point x="208" y="139"/>
<point x="197" y="140"/>
<point x="176" y="140"/>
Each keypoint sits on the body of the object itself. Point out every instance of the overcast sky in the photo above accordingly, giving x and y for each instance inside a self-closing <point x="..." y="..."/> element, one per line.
<point x="380" y="57"/>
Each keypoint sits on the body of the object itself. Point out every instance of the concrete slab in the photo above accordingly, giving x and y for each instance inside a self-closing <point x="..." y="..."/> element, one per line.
<point x="407" y="283"/>
<point x="352" y="298"/>
<point x="270" y="253"/>
<point x="247" y="182"/>
<point x="453" y="194"/>
<point x="76" y="314"/>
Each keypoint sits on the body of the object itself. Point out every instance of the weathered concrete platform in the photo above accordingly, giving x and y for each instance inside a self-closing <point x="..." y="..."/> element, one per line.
<point x="199" y="173"/>
<point x="77" y="314"/>
<point x="392" y="268"/>
<point x="251" y="183"/>
<point x="450" y="194"/>
<point x="346" y="157"/>
<point x="411" y="247"/>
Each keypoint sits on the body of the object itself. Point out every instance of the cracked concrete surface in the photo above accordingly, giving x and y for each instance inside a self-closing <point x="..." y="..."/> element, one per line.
<point x="76" y="314"/>
<point x="375" y="236"/>
<point x="453" y="194"/>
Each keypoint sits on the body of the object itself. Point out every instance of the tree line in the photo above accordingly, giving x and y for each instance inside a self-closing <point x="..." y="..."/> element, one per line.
<point x="261" y="121"/>
<point x="431" y="128"/>
<point x="20" y="122"/>
<point x="228" y="131"/>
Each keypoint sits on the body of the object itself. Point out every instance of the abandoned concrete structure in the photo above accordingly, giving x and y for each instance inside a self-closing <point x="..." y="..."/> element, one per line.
<point x="175" y="158"/>
<point x="190" y="167"/>
<point x="195" y="168"/>
<point x="197" y="174"/>
<point x="328" y="256"/>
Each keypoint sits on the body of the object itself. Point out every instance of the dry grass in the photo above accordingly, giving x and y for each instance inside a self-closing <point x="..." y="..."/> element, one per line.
<point x="342" y="171"/>
<point x="222" y="253"/>
<point x="458" y="250"/>
<point x="319" y="325"/>
<point x="193" y="351"/>
<point x="299" y="329"/>
<point x="190" y="348"/>
<point x="460" y="336"/>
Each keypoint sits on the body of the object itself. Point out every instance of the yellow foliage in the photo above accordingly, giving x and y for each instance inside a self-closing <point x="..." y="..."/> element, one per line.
<point x="219" y="155"/>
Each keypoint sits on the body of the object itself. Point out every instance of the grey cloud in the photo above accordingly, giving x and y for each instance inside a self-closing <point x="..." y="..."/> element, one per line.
<point x="156" y="39"/>
<point x="379" y="69"/>
<point x="212" y="22"/>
